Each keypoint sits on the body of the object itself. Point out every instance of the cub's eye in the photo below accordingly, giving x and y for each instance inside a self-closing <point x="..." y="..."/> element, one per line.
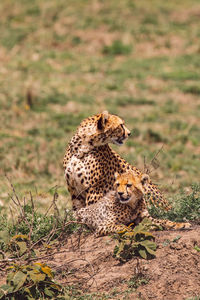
<point x="129" y="185"/>
<point x="117" y="184"/>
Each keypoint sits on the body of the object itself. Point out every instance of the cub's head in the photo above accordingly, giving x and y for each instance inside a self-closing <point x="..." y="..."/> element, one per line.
<point x="104" y="128"/>
<point x="130" y="188"/>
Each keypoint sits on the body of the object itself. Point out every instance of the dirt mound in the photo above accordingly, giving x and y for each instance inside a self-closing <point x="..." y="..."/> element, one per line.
<point x="88" y="262"/>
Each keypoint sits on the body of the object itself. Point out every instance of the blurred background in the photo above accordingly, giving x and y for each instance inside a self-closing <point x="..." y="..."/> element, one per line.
<point x="62" y="61"/>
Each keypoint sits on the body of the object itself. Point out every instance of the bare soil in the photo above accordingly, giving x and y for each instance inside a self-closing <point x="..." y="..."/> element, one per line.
<point x="88" y="262"/>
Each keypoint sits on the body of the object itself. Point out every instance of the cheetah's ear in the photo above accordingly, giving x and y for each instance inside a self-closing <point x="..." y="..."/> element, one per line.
<point x="116" y="175"/>
<point x="102" y="120"/>
<point x="145" y="179"/>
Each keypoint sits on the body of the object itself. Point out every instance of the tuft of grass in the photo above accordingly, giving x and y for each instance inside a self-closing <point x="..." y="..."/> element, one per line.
<point x="170" y="107"/>
<point x="185" y="207"/>
<point x="125" y="101"/>
<point x="138" y="280"/>
<point x="14" y="36"/>
<point x="153" y="136"/>
<point x="181" y="75"/>
<point x="117" y="48"/>
<point x="192" y="89"/>
<point x="32" y="226"/>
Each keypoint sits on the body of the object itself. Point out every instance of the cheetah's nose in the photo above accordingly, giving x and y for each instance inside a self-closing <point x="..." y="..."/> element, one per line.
<point x="120" y="193"/>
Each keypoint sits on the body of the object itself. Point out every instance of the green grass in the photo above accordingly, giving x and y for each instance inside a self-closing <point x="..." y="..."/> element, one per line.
<point x="185" y="206"/>
<point x="61" y="63"/>
<point x="117" y="48"/>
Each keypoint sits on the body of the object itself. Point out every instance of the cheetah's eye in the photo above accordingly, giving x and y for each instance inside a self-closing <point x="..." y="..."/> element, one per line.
<point x="117" y="184"/>
<point x="129" y="185"/>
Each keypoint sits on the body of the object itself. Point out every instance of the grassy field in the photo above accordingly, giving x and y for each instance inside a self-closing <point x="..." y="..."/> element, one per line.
<point x="62" y="61"/>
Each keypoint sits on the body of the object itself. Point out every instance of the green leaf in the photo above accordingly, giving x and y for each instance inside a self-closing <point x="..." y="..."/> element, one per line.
<point x="6" y="288"/>
<point x="49" y="292"/>
<point x="4" y="236"/>
<point x="197" y="248"/>
<point x="37" y="277"/>
<point x="10" y="276"/>
<point x="28" y="291"/>
<point x="143" y="234"/>
<point x="142" y="253"/>
<point x="146" y="221"/>
<point x="120" y="249"/>
<point x="22" y="247"/>
<point x="2" y="293"/>
<point x="37" y="252"/>
<point x="176" y="238"/>
<point x="139" y="227"/>
<point x="19" y="280"/>
<point x="37" y="266"/>
<point x="149" y="244"/>
<point x="150" y="251"/>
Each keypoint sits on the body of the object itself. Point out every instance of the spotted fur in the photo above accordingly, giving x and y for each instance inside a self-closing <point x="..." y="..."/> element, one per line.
<point x="90" y="163"/>
<point x="124" y="205"/>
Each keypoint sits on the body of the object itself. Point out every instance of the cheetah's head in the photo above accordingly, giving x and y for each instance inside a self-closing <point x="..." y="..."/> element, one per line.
<point x="102" y="129"/>
<point x="130" y="188"/>
<point x="113" y="128"/>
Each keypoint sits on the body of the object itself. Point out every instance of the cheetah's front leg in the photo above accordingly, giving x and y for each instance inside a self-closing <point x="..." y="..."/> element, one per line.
<point x="110" y="228"/>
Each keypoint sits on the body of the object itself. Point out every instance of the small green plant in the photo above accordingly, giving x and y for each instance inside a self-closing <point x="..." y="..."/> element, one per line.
<point x="18" y="245"/>
<point x="19" y="240"/>
<point x="197" y="248"/>
<point x="137" y="280"/>
<point x="170" y="107"/>
<point x="192" y="89"/>
<point x="117" y="48"/>
<point x="30" y="282"/>
<point x="135" y="242"/>
<point x="154" y="137"/>
<point x="20" y="236"/>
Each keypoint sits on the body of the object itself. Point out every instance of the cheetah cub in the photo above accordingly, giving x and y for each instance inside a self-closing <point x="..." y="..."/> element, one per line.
<point x="123" y="205"/>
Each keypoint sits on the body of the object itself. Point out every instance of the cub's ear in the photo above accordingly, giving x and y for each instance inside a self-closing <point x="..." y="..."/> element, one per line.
<point x="116" y="175"/>
<point x="145" y="179"/>
<point x="102" y="120"/>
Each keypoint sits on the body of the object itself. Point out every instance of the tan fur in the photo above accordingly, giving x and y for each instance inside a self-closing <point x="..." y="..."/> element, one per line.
<point x="124" y="205"/>
<point x="90" y="163"/>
